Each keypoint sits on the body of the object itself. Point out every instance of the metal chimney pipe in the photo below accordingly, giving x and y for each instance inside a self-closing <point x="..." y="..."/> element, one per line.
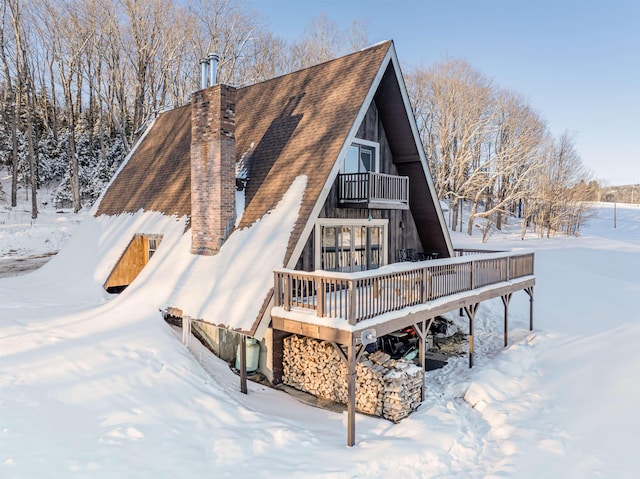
<point x="213" y="68"/>
<point x="204" y="68"/>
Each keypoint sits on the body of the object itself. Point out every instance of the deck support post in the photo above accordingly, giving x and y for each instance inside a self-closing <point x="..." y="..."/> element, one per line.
<point x="243" y="364"/>
<point x="471" y="313"/>
<point x="351" y="392"/>
<point x="278" y="355"/>
<point x="422" y="329"/>
<point x="351" y="359"/>
<point x="505" y="300"/>
<point x="343" y="355"/>
<point x="529" y="291"/>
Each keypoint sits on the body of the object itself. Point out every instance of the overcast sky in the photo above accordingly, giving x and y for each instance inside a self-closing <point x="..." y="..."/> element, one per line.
<point x="577" y="62"/>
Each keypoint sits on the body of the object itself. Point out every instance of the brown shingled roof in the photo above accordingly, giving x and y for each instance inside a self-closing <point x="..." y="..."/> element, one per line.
<point x="289" y="126"/>
<point x="292" y="125"/>
<point x="299" y="123"/>
<point x="157" y="177"/>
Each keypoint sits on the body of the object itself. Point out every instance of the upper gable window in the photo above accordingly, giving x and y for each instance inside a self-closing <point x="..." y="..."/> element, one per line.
<point x="362" y="156"/>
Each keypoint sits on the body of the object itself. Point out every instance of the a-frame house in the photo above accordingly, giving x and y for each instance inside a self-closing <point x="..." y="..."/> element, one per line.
<point x="364" y="251"/>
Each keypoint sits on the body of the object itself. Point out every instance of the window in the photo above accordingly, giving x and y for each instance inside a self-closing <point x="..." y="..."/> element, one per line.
<point x="153" y="246"/>
<point x="354" y="246"/>
<point x="362" y="156"/>
<point x="134" y="258"/>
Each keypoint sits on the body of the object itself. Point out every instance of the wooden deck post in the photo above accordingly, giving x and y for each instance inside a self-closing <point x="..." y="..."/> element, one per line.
<point x="321" y="296"/>
<point x="243" y="364"/>
<point x="425" y="285"/>
<point x="473" y="274"/>
<point x="277" y="294"/>
<point x="351" y="360"/>
<point x="422" y="329"/>
<point x="351" y="393"/>
<point x="471" y="313"/>
<point x="529" y="291"/>
<point x="287" y="292"/>
<point x="351" y="314"/>
<point x="505" y="300"/>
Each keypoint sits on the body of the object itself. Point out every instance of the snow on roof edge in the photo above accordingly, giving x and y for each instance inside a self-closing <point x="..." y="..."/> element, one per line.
<point x="229" y="289"/>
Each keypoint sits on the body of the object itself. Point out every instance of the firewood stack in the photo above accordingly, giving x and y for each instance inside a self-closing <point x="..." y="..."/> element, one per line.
<point x="384" y="387"/>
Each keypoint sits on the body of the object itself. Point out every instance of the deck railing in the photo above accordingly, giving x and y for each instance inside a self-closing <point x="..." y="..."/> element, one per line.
<point x="373" y="187"/>
<point x="468" y="252"/>
<point x="363" y="295"/>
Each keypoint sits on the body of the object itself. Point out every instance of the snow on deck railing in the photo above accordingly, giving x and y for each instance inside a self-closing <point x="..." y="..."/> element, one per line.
<point x="467" y="251"/>
<point x="365" y="294"/>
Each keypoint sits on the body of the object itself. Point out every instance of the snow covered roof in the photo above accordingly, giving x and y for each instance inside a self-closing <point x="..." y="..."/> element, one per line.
<point x="290" y="127"/>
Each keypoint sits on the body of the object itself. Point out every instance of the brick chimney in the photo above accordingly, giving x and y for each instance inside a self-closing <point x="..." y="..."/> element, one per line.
<point x="213" y="167"/>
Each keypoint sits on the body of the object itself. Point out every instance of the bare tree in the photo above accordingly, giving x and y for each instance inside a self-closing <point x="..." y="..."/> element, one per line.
<point x="25" y="86"/>
<point x="112" y="85"/>
<point x="94" y="70"/>
<point x="147" y="23"/>
<point x="267" y="56"/>
<point x="358" y="35"/>
<point x="455" y="111"/>
<point x="489" y="149"/>
<point x="227" y="27"/>
<point x="64" y="28"/>
<point x="512" y="155"/>
<point x="561" y="200"/>
<point x="322" y="40"/>
<point x="11" y="99"/>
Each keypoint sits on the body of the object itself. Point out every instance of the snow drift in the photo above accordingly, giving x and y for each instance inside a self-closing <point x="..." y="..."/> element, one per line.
<point x="98" y="387"/>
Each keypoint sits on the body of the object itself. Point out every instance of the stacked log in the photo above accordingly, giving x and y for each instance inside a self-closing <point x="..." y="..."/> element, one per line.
<point x="402" y="391"/>
<point x="384" y="387"/>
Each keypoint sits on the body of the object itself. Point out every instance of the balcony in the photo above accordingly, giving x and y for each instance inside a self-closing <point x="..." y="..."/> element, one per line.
<point x="373" y="190"/>
<point x="356" y="297"/>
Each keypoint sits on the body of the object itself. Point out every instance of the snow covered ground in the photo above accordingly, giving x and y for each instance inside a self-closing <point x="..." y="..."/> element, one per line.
<point x="100" y="387"/>
<point x="24" y="242"/>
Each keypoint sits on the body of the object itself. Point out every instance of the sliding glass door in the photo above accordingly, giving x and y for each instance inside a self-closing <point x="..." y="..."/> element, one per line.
<point x="352" y="247"/>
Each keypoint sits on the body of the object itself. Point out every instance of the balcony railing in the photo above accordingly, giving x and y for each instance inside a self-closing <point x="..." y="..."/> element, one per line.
<point x="373" y="190"/>
<point x="363" y="295"/>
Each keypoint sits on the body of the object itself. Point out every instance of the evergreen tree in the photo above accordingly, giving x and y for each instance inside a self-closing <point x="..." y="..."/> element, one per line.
<point x="52" y="161"/>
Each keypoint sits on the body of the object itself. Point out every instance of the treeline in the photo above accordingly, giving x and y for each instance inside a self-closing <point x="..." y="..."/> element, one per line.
<point x="621" y="194"/>
<point x="492" y="151"/>
<point x="81" y="78"/>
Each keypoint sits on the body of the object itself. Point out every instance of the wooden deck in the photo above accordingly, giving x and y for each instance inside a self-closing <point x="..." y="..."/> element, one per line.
<point x="349" y="309"/>
<point x="357" y="297"/>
